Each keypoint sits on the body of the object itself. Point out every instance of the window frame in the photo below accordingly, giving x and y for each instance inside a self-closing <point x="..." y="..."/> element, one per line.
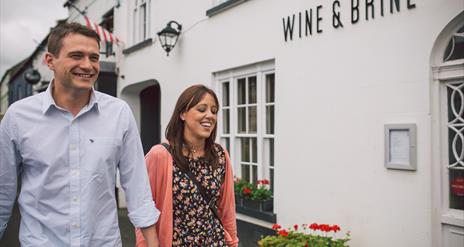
<point x="140" y="21"/>
<point x="260" y="70"/>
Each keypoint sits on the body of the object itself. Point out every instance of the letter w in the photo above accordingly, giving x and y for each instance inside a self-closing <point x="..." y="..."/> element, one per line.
<point x="288" y="28"/>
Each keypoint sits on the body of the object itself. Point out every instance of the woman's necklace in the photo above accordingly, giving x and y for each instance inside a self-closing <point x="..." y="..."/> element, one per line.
<point x="192" y="149"/>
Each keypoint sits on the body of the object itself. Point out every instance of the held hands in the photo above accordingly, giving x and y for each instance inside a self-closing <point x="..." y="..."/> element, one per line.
<point x="150" y="235"/>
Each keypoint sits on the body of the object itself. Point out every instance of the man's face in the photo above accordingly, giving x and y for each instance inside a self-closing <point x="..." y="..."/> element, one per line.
<point x="76" y="66"/>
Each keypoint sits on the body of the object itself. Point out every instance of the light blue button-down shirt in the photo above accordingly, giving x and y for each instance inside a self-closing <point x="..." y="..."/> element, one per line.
<point x="68" y="169"/>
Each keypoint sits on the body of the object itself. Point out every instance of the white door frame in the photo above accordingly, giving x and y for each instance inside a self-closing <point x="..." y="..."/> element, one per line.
<point x="444" y="220"/>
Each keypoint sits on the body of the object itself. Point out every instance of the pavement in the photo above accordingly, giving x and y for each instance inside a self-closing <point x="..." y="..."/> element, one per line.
<point x="10" y="237"/>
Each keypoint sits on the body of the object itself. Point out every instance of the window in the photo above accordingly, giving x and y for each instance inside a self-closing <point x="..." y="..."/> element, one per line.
<point x="455" y="48"/>
<point x="108" y="24"/>
<point x="247" y="127"/>
<point x="455" y="130"/>
<point x="140" y="20"/>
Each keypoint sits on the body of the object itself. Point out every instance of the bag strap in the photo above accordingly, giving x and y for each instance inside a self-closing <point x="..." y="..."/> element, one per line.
<point x="200" y="188"/>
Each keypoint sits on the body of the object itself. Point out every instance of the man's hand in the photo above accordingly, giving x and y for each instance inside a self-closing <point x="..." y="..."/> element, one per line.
<point x="150" y="235"/>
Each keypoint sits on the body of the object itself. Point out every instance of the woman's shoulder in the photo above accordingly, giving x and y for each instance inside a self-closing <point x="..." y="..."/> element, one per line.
<point x="158" y="150"/>
<point x="221" y="153"/>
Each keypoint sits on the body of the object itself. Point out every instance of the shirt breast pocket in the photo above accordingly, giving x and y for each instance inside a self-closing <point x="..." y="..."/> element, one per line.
<point x="102" y="155"/>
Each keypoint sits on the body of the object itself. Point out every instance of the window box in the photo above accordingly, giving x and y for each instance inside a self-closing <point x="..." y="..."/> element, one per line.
<point x="238" y="200"/>
<point x="268" y="216"/>
<point x="259" y="205"/>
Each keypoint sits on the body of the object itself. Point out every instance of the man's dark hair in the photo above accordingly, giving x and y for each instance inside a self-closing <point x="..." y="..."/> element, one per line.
<point x="55" y="40"/>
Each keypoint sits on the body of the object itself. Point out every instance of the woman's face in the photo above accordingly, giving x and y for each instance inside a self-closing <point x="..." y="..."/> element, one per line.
<point x="200" y="120"/>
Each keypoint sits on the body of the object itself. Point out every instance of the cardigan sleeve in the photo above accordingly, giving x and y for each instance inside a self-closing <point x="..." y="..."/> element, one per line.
<point x="226" y="205"/>
<point x="159" y="168"/>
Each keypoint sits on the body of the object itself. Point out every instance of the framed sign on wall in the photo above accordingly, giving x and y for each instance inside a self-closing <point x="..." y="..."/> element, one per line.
<point x="400" y="146"/>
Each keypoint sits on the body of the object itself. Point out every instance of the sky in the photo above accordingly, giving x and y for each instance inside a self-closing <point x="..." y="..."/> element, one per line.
<point x="23" y="25"/>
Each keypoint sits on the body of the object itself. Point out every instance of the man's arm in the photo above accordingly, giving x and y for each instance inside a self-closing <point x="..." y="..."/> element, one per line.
<point x="150" y="235"/>
<point x="9" y="160"/>
<point x="134" y="180"/>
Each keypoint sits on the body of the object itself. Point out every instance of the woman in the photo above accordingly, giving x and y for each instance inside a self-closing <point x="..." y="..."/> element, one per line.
<point x="187" y="219"/>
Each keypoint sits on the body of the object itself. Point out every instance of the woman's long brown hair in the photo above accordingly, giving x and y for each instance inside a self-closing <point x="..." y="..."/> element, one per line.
<point x="175" y="129"/>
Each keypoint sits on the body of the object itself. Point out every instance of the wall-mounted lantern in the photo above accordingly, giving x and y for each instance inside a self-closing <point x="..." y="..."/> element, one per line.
<point x="169" y="35"/>
<point x="32" y="76"/>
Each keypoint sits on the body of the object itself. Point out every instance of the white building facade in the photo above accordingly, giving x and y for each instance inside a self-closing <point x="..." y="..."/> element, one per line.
<point x="353" y="109"/>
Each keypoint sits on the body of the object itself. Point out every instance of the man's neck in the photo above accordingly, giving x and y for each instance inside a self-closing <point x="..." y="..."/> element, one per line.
<point x="70" y="99"/>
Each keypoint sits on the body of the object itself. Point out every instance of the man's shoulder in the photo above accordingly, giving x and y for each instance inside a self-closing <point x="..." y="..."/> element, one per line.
<point x="29" y="103"/>
<point x="108" y="100"/>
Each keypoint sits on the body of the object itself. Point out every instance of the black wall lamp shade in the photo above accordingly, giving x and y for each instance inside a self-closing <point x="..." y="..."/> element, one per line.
<point x="32" y="76"/>
<point x="169" y="35"/>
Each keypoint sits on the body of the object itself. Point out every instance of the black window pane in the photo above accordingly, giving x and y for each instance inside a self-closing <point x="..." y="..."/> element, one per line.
<point x="241" y="120"/>
<point x="252" y="90"/>
<point x="225" y="121"/>
<point x="252" y="119"/>
<point x="245" y="149"/>
<point x="255" y="174"/>
<point x="246" y="172"/>
<point x="455" y="48"/>
<point x="271" y="178"/>
<point x="241" y="91"/>
<point x="270" y="88"/>
<point x="225" y="94"/>
<point x="271" y="152"/>
<point x="270" y="119"/>
<point x="254" y="148"/>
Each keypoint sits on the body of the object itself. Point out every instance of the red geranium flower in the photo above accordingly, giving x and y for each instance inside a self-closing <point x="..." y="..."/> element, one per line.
<point x="283" y="233"/>
<point x="314" y="226"/>
<point x="325" y="228"/>
<point x="276" y="227"/>
<point x="335" y="228"/>
<point x="246" y="191"/>
<point x="295" y="227"/>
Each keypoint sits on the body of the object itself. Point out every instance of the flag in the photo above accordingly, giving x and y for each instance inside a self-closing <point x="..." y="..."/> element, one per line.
<point x="104" y="34"/>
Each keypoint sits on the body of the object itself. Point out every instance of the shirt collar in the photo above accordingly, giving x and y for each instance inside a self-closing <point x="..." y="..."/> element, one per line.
<point x="48" y="100"/>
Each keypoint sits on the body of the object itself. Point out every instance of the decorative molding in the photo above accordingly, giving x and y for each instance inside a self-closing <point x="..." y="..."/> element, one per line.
<point x="223" y="6"/>
<point x="137" y="46"/>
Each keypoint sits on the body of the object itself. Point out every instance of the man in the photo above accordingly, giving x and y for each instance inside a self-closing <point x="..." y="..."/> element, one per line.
<point x="67" y="143"/>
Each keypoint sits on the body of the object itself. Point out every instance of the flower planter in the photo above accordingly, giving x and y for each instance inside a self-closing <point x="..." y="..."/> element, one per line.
<point x="259" y="205"/>
<point x="238" y="200"/>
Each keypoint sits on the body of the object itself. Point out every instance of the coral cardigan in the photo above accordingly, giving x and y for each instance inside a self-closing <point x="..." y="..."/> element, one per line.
<point x="159" y="166"/>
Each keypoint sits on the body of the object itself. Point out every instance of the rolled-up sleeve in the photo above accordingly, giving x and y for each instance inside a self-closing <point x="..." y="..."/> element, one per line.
<point x="134" y="177"/>
<point x="9" y="163"/>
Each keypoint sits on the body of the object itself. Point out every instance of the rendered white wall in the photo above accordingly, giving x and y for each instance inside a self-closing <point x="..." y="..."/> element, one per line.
<point x="334" y="93"/>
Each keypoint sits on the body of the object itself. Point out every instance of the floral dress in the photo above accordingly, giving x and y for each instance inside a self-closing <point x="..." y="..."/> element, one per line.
<point x="193" y="221"/>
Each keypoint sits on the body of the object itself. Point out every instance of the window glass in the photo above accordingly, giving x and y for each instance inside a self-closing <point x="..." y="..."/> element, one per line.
<point x="225" y="121"/>
<point x="270" y="119"/>
<point x="245" y="150"/>
<point x="252" y="119"/>
<point x="455" y="48"/>
<point x="225" y="94"/>
<point x="241" y="120"/>
<point x="269" y="88"/>
<point x="241" y="91"/>
<point x="455" y="104"/>
<point x="252" y="90"/>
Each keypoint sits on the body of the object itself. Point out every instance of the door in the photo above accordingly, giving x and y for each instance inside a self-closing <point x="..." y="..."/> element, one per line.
<point x="447" y="91"/>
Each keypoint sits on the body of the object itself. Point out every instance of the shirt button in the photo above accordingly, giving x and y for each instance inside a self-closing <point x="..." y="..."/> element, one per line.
<point x="72" y="147"/>
<point x="75" y="225"/>
<point x="75" y="173"/>
<point x="75" y="199"/>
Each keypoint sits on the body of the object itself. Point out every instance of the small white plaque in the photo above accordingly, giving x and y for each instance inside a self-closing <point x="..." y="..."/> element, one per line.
<point x="400" y="146"/>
